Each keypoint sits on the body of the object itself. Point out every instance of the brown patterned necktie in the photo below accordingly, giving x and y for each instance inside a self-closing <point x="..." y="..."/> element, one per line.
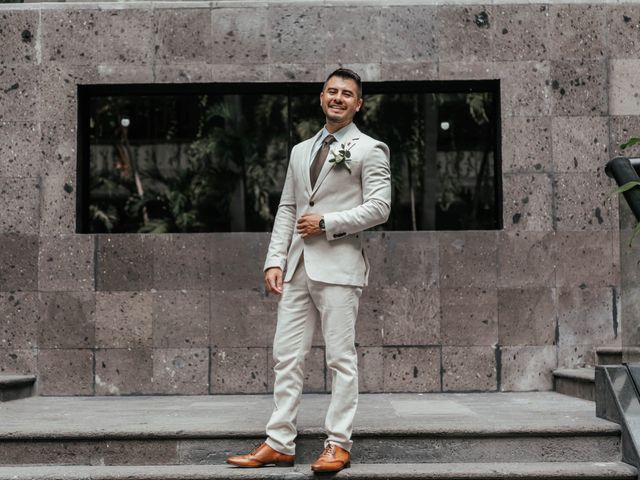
<point x="321" y="156"/>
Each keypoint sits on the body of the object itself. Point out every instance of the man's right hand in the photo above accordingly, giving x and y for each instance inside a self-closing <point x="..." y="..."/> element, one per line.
<point x="273" y="280"/>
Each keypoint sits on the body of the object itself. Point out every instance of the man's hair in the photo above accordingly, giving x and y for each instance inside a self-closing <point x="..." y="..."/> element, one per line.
<point x="346" y="73"/>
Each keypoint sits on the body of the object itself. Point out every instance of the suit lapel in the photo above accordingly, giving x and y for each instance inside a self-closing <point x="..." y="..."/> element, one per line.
<point x="326" y="168"/>
<point x="305" y="162"/>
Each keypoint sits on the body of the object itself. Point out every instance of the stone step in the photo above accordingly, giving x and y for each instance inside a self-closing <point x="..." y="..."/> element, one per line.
<point x="449" y="471"/>
<point x="14" y="387"/>
<point x="389" y="428"/>
<point x="576" y="382"/>
<point x="388" y="447"/>
<point x="608" y="355"/>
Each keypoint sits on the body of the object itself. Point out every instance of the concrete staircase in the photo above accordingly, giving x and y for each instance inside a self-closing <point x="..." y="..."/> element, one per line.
<point x="535" y="435"/>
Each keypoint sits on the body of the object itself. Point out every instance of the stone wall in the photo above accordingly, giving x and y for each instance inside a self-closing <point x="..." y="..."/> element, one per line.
<point x="446" y="311"/>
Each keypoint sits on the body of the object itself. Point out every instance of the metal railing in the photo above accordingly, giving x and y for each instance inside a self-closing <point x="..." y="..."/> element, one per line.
<point x="624" y="170"/>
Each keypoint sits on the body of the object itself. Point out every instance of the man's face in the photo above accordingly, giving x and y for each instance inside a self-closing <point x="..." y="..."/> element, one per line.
<point x="339" y="100"/>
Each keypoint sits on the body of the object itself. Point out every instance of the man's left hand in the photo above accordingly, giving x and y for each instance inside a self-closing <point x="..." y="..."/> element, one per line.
<point x="309" y="225"/>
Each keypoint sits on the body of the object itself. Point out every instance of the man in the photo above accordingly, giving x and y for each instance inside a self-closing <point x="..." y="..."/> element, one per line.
<point x="338" y="184"/>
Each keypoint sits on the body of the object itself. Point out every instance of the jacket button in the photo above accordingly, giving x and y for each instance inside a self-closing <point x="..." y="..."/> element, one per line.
<point x="311" y="203"/>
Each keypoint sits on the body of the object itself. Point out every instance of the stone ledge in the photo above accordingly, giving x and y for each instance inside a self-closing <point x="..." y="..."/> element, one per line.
<point x="547" y="470"/>
<point x="577" y="374"/>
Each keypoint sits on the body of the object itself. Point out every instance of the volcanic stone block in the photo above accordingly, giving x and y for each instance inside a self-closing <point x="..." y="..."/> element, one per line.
<point x="124" y="262"/>
<point x="520" y="32"/>
<point x="58" y="146"/>
<point x="65" y="372"/>
<point x="242" y="318"/>
<point x="468" y="259"/>
<point x="526" y="259"/>
<point x="19" y="316"/>
<point x="576" y="356"/>
<point x="409" y="71"/>
<point x="181" y="371"/>
<point x="19" y="149"/>
<point x="585" y="259"/>
<point x="414" y="257"/>
<point x="124" y="371"/>
<point x="527" y="316"/>
<point x="371" y="314"/>
<point x="237" y="260"/>
<point x="18" y="362"/>
<point x="57" y="100"/>
<point x="411" y="316"/>
<point x="526" y="145"/>
<point x="586" y="315"/>
<point x="630" y="312"/>
<point x="135" y="39"/>
<point x="123" y="319"/>
<point x="409" y="33"/>
<point x="368" y="72"/>
<point x="370" y="369"/>
<point x="239" y="370"/>
<point x="629" y="262"/>
<point x="518" y="98"/>
<point x="375" y="246"/>
<point x="71" y="36"/>
<point x="299" y="72"/>
<point x="469" y="369"/>
<point x="197" y="73"/>
<point x="580" y="144"/>
<point x="126" y="73"/>
<point x="183" y="35"/>
<point x="578" y="87"/>
<point x="623" y="85"/>
<point x="360" y="29"/>
<point x="298" y="34"/>
<point x="20" y="205"/>
<point x="18" y="36"/>
<point x="462" y="33"/>
<point x="240" y="35"/>
<point x="68" y="320"/>
<point x="583" y="201"/>
<point x="180" y="318"/>
<point x="58" y="205"/>
<point x="66" y="263"/>
<point x="317" y="378"/>
<point x="18" y="262"/>
<point x="577" y="31"/>
<point x="622" y="129"/>
<point x="19" y="86"/>
<point x="181" y="261"/>
<point x="411" y="369"/>
<point x="623" y="30"/>
<point x="526" y="368"/>
<point x="469" y="316"/>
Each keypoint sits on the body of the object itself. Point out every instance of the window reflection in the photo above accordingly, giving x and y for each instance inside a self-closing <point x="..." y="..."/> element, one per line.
<point x="216" y="163"/>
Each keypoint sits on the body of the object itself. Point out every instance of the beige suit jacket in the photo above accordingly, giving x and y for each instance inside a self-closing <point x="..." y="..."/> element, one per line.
<point x="350" y="203"/>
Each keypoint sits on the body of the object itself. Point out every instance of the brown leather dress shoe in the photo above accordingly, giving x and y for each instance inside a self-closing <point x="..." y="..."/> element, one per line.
<point x="332" y="459"/>
<point x="261" y="456"/>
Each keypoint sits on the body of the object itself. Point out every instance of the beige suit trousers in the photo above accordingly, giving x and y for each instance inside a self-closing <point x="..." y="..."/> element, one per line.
<point x="303" y="302"/>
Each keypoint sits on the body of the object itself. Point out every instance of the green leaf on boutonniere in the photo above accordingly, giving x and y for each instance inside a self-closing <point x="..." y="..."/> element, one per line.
<point x="343" y="155"/>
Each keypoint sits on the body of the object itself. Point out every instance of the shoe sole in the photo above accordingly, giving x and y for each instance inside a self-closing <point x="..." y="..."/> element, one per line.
<point x="277" y="464"/>
<point x="346" y="465"/>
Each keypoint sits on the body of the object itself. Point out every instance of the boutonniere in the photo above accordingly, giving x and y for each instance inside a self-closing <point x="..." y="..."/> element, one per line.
<point x="343" y="155"/>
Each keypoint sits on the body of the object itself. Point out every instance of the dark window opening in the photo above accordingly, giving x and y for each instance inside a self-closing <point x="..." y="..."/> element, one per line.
<point x="212" y="157"/>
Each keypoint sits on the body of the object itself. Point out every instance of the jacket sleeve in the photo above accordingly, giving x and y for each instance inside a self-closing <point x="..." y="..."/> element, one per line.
<point x="284" y="223"/>
<point x="376" y="195"/>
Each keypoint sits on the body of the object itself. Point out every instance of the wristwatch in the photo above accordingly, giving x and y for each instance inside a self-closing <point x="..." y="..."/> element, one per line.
<point x="322" y="227"/>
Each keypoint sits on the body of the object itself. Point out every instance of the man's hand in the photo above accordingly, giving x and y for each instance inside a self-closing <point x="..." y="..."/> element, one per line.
<point x="273" y="280"/>
<point x="309" y="225"/>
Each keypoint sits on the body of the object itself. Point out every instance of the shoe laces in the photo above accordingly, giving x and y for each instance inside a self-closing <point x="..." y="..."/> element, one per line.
<point x="330" y="449"/>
